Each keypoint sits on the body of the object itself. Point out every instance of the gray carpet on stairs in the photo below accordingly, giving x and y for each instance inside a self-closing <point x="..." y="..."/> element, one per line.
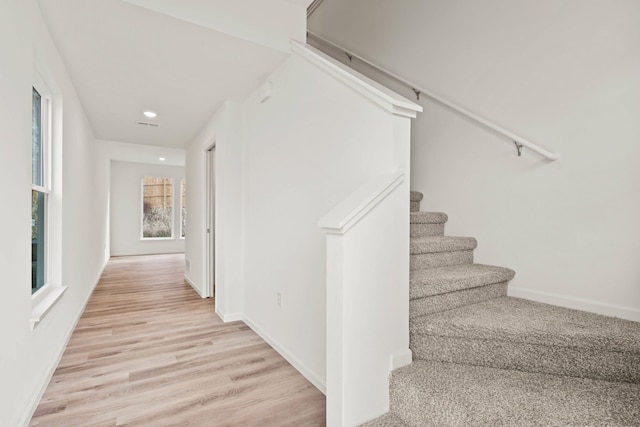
<point x="442" y="302"/>
<point x="415" y="196"/>
<point x="426" y="229"/>
<point x="422" y="245"/>
<point x="440" y="259"/>
<point x="442" y="280"/>
<point x="512" y="333"/>
<point x="387" y="420"/>
<point x="484" y="359"/>
<point x="426" y="223"/>
<point x="439" y="394"/>
<point x="428" y="217"/>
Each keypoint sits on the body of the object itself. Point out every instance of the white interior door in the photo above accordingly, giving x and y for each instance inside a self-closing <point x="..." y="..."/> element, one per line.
<point x="210" y="238"/>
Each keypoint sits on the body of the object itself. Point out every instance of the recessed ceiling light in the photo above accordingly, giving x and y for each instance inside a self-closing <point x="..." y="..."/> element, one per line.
<point x="162" y="159"/>
<point x="150" y="114"/>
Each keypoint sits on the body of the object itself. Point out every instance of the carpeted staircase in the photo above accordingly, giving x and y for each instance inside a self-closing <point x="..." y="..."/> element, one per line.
<point x="484" y="359"/>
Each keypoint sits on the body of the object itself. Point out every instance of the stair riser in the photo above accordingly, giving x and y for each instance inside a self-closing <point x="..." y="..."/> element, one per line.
<point x="573" y="362"/>
<point x="451" y="300"/>
<point x="414" y="206"/>
<point x="427" y="230"/>
<point x="440" y="259"/>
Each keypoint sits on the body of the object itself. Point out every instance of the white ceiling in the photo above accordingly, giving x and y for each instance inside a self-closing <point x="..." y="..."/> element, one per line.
<point x="124" y="59"/>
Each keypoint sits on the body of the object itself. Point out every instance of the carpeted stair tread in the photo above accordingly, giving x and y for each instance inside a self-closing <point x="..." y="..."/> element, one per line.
<point x="416" y="196"/>
<point x="435" y="281"/>
<point x="387" y="420"/>
<point x="443" y="394"/>
<point x="519" y="320"/>
<point x="443" y="302"/>
<point x="428" y="217"/>
<point x="434" y="244"/>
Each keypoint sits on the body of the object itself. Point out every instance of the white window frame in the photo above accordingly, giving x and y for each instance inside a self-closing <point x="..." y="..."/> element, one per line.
<point x="173" y="213"/>
<point x="44" y="298"/>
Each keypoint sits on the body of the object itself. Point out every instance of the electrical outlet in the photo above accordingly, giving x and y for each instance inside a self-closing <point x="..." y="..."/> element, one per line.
<point x="279" y="299"/>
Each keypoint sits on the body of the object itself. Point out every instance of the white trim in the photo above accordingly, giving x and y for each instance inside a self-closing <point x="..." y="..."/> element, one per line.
<point x="209" y="273"/>
<point x="55" y="360"/>
<point x="231" y="317"/>
<point x="193" y="285"/>
<point x="46" y="115"/>
<point x="401" y="358"/>
<point x="40" y="189"/>
<point x="628" y="313"/>
<point x="352" y="209"/>
<point x="43" y="300"/>
<point x="375" y="92"/>
<point x="294" y="361"/>
<point x="495" y="127"/>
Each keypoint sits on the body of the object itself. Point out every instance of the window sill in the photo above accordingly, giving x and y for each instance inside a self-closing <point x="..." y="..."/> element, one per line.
<point x="155" y="239"/>
<point x="42" y="302"/>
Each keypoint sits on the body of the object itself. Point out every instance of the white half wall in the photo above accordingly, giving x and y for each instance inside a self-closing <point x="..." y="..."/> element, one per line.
<point x="563" y="74"/>
<point x="29" y="357"/>
<point x="282" y="164"/>
<point x="126" y="209"/>
<point x="307" y="147"/>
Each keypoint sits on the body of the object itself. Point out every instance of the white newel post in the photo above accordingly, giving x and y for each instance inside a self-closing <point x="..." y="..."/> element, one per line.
<point x="367" y="298"/>
<point x="368" y="256"/>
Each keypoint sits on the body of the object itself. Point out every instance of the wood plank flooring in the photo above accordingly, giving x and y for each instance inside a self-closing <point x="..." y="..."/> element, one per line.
<point x="148" y="351"/>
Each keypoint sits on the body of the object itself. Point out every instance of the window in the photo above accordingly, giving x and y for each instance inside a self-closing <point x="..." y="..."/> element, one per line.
<point x="157" y="212"/>
<point x="39" y="189"/>
<point x="183" y="208"/>
<point x="46" y="200"/>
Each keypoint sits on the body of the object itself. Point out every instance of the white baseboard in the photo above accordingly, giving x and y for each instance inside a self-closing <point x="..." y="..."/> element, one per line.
<point x="300" y="367"/>
<point x="592" y="306"/>
<point x="193" y="285"/>
<point x="401" y="358"/>
<point x="229" y="317"/>
<point x="55" y="361"/>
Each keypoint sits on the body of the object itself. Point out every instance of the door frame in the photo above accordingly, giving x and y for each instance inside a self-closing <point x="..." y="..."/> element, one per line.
<point x="208" y="290"/>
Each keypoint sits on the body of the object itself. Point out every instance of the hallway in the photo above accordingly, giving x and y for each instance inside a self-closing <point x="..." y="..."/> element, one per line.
<point x="148" y="351"/>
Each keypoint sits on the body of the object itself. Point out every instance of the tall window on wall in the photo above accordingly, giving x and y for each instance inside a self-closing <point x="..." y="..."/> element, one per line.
<point x="40" y="165"/>
<point x="183" y="208"/>
<point x="157" y="212"/>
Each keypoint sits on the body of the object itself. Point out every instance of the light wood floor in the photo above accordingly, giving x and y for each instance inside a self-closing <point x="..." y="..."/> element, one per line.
<point x="148" y="351"/>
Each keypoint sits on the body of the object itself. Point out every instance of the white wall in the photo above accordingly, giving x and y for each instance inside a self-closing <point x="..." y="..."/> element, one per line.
<point x="271" y="23"/>
<point x="282" y="165"/>
<point x="223" y="130"/>
<point x="126" y="209"/>
<point x="28" y="357"/>
<point x="563" y="74"/>
<point x="305" y="149"/>
<point x="121" y="151"/>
